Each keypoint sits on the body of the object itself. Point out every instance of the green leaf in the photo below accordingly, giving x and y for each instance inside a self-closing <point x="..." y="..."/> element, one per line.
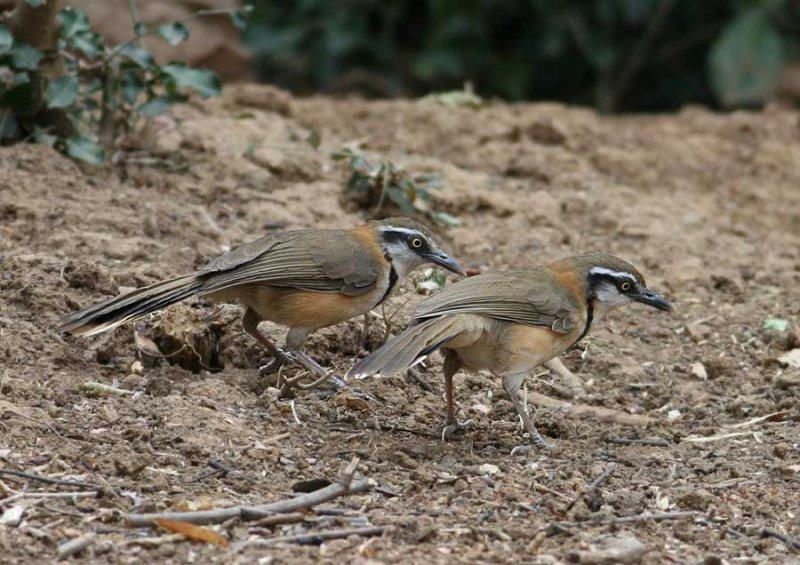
<point x="155" y="107"/>
<point x="139" y="56"/>
<point x="85" y="149"/>
<point x="399" y="197"/>
<point x="9" y="129"/>
<point x="174" y="33"/>
<point x="447" y="219"/>
<point x="35" y="3"/>
<point x="41" y="137"/>
<point x="745" y="62"/>
<point x="140" y="28"/>
<point x="132" y="86"/>
<point x="6" y="39"/>
<point x="73" y="22"/>
<point x="62" y="92"/>
<point x="89" y="43"/>
<point x="776" y="324"/>
<point x="24" y="57"/>
<point x="202" y="81"/>
<point x="314" y="138"/>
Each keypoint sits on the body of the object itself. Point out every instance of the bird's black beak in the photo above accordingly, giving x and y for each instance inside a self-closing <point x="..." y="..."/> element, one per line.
<point x="444" y="260"/>
<point x="652" y="298"/>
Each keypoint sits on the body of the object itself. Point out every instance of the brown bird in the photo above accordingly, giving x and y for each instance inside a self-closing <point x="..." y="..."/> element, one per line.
<point x="510" y="322"/>
<point x="302" y="279"/>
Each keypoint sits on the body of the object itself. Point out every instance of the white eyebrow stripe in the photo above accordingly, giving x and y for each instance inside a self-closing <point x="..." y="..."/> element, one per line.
<point x="613" y="274"/>
<point x="406" y="231"/>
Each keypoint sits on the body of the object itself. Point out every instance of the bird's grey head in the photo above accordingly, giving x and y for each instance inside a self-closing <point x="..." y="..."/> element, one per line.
<point x="614" y="283"/>
<point x="408" y="244"/>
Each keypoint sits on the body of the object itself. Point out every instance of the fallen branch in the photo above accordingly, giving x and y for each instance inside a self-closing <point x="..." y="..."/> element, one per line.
<point x="344" y="486"/>
<point x="318" y="537"/>
<point x="581" y="411"/>
<point x="92" y="388"/>
<point x="41" y="479"/>
<point x="73" y="546"/>
<point x="788" y="540"/>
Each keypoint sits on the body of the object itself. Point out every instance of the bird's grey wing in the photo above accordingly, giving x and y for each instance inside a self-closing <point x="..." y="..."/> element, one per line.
<point x="523" y="297"/>
<point x="315" y="260"/>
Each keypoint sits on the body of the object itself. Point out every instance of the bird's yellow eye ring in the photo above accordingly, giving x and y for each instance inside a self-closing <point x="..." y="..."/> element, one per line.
<point x="416" y="243"/>
<point x="626" y="286"/>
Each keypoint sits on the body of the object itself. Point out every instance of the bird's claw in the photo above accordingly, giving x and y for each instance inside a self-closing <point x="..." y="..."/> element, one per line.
<point x="454" y="427"/>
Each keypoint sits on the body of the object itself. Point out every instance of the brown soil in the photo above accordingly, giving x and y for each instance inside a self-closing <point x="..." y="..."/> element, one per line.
<point x="706" y="205"/>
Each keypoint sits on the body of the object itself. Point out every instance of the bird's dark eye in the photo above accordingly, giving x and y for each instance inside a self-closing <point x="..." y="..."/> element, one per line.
<point x="625" y="287"/>
<point x="417" y="243"/>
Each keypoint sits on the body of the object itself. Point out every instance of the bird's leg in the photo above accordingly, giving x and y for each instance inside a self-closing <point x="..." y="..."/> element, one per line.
<point x="573" y="383"/>
<point x="365" y="330"/>
<point x="512" y="384"/>
<point x="250" y="323"/>
<point x="451" y="367"/>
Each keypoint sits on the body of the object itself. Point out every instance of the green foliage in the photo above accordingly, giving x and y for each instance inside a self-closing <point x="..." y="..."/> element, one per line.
<point x="102" y="91"/>
<point x="371" y="184"/>
<point x="746" y="61"/>
<point x="639" y="55"/>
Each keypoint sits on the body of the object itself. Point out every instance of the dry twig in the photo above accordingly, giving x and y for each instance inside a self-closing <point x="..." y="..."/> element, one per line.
<point x="319" y="537"/>
<point x="344" y="486"/>
<point x="788" y="540"/>
<point x="41" y="479"/>
<point x="581" y="411"/>
<point x="73" y="546"/>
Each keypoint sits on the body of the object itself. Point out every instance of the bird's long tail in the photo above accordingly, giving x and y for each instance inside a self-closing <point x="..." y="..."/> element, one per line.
<point x="405" y="350"/>
<point x="131" y="306"/>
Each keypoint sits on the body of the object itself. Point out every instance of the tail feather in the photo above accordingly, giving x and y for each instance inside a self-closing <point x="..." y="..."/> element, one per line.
<point x="408" y="348"/>
<point x="131" y="306"/>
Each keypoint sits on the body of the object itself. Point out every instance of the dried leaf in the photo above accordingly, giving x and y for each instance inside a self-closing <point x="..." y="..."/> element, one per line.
<point x="13" y="515"/>
<point x="192" y="532"/>
<point x="699" y="371"/>
<point x="790" y="359"/>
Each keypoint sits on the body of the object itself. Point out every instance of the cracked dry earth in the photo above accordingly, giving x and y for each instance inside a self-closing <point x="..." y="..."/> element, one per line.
<point x="706" y="205"/>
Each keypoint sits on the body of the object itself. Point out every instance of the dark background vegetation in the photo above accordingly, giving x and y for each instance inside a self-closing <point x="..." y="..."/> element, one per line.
<point x="615" y="55"/>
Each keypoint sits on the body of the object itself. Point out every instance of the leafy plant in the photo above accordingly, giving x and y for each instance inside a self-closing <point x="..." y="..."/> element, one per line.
<point x="97" y="93"/>
<point x="374" y="186"/>
<point x="616" y="55"/>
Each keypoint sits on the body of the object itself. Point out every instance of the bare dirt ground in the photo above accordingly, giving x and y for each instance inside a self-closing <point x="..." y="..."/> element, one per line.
<point x="708" y="206"/>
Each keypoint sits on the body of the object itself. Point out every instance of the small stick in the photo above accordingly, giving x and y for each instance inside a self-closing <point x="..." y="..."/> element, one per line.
<point x="593" y="486"/>
<point x="294" y="414"/>
<point x="647" y="517"/>
<point x="580" y="411"/>
<point x="541" y="487"/>
<point x="278" y="519"/>
<point x="219" y="465"/>
<point x="631" y="441"/>
<point x="87" y="494"/>
<point x="769" y="417"/>
<point x="220" y="515"/>
<point x="319" y="537"/>
<point x="73" y="546"/>
<point x="788" y="540"/>
<point x="98" y="389"/>
<point x="40" y="478"/>
<point x="707" y="439"/>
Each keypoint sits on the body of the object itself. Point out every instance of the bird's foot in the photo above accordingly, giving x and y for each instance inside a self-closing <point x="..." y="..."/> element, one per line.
<point x="452" y="428"/>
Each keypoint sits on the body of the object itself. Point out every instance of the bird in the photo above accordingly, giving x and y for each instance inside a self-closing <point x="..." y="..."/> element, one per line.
<point x="511" y="321"/>
<point x="303" y="279"/>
